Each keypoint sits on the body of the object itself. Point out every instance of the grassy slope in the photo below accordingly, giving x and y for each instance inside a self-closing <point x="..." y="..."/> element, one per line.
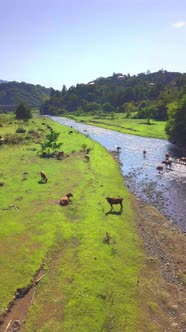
<point x="120" y="123"/>
<point x="89" y="285"/>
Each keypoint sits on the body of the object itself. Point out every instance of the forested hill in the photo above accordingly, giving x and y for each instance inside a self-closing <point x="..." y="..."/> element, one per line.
<point x="119" y="93"/>
<point x="13" y="93"/>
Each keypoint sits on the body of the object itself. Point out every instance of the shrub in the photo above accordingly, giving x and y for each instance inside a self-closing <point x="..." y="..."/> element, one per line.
<point x="20" y="130"/>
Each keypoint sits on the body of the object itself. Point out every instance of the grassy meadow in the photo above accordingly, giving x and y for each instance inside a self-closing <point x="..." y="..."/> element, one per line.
<point x="119" y="122"/>
<point x="90" y="285"/>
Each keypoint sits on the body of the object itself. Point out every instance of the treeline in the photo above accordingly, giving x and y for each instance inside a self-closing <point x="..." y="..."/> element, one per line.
<point x="13" y="93"/>
<point x="146" y="96"/>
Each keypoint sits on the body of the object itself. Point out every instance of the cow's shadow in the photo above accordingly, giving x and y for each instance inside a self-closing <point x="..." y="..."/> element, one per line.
<point x="117" y="213"/>
<point x="41" y="182"/>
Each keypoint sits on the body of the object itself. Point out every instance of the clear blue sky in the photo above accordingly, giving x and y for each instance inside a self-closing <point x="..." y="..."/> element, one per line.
<point x="56" y="42"/>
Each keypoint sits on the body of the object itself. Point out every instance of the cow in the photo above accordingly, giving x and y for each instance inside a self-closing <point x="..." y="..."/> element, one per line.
<point x="43" y="176"/>
<point x="60" y="154"/>
<point x="159" y="169"/>
<point x="113" y="201"/>
<point x="168" y="155"/>
<point x="167" y="163"/>
<point x="1" y="140"/>
<point x="87" y="157"/>
<point x="182" y="160"/>
<point x="65" y="200"/>
<point x="118" y="148"/>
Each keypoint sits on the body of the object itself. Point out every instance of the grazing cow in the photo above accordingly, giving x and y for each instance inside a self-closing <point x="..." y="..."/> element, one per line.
<point x="167" y="163"/>
<point x="87" y="157"/>
<point x="159" y="169"/>
<point x="65" y="200"/>
<point x="113" y="201"/>
<point x="60" y="154"/>
<point x="1" y="140"/>
<point x="43" y="176"/>
<point x="182" y="160"/>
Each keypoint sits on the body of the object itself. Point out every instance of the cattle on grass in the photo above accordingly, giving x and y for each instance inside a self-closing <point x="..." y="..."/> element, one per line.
<point x="65" y="200"/>
<point x="60" y="154"/>
<point x="43" y="176"/>
<point x="113" y="200"/>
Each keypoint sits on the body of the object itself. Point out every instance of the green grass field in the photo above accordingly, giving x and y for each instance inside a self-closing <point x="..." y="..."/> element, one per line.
<point x="119" y="122"/>
<point x="89" y="285"/>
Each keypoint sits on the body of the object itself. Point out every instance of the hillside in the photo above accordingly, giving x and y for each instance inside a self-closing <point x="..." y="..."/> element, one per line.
<point x="119" y="93"/>
<point x="13" y="93"/>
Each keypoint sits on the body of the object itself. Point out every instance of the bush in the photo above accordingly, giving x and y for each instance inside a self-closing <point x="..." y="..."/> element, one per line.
<point x="23" y="112"/>
<point x="20" y="130"/>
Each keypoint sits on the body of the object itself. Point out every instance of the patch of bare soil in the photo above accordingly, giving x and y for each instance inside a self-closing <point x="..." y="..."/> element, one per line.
<point x="14" y="316"/>
<point x="163" y="278"/>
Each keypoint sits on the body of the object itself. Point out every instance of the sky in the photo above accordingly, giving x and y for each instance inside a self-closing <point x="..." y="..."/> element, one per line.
<point x="67" y="42"/>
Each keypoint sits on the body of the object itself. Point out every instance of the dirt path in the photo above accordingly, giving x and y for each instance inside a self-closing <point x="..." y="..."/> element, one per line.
<point x="13" y="318"/>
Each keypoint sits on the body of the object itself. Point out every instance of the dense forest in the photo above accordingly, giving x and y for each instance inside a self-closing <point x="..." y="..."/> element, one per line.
<point x="13" y="93"/>
<point x="160" y="96"/>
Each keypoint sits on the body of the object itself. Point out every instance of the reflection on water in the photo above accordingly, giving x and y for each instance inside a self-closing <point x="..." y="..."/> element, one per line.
<point x="165" y="191"/>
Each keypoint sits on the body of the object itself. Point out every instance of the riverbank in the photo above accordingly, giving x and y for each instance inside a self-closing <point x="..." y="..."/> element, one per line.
<point x="119" y="122"/>
<point x="165" y="248"/>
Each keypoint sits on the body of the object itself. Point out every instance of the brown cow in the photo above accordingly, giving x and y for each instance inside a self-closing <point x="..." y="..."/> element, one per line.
<point x="60" y="154"/>
<point x="113" y="201"/>
<point x="159" y="169"/>
<point x="167" y="163"/>
<point x="183" y="160"/>
<point x="65" y="200"/>
<point x="43" y="176"/>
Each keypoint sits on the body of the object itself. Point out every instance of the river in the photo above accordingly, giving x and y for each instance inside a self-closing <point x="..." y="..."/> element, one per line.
<point x="166" y="191"/>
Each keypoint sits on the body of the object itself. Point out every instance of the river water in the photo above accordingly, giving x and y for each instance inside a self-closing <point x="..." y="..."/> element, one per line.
<point x="166" y="191"/>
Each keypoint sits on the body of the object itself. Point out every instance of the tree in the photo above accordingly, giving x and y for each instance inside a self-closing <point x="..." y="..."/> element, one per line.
<point x="50" y="145"/>
<point x="176" y="124"/>
<point x="22" y="112"/>
<point x="107" y="107"/>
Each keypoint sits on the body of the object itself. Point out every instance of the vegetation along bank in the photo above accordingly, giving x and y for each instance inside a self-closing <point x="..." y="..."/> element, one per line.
<point x="104" y="270"/>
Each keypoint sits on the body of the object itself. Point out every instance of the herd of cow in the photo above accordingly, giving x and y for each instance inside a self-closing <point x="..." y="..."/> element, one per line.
<point x="65" y="200"/>
<point x="168" y="162"/>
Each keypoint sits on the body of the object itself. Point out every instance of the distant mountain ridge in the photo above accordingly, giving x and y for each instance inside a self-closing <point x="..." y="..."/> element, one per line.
<point x="3" y="81"/>
<point x="13" y="93"/>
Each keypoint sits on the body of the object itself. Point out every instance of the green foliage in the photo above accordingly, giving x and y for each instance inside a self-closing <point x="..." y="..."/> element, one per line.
<point x="22" y="112"/>
<point x="176" y="124"/>
<point x="119" y="93"/>
<point x="50" y="145"/>
<point x="13" y="93"/>
<point x="107" y="107"/>
<point x="20" y="130"/>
